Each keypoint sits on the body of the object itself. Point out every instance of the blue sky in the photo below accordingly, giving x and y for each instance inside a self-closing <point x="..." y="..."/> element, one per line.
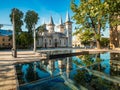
<point x="45" y="8"/>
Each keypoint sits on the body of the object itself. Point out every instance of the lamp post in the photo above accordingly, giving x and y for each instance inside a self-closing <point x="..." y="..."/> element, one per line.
<point x="34" y="49"/>
<point x="14" y="51"/>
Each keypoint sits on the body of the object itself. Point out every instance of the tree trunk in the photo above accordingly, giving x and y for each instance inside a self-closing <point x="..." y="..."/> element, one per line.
<point x="99" y="29"/>
<point x="98" y="44"/>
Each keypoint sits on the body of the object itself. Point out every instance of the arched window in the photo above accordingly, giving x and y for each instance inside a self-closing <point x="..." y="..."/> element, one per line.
<point x="55" y="40"/>
<point x="50" y="41"/>
<point x="60" y="42"/>
<point x="3" y="39"/>
<point x="64" y="41"/>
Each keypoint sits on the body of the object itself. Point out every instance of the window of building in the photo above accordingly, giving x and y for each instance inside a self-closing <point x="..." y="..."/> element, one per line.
<point x="3" y="44"/>
<point x="45" y="40"/>
<point x="50" y="42"/>
<point x="3" y="39"/>
<point x="64" y="42"/>
<point x="60" y="42"/>
<point x="9" y="39"/>
<point x="9" y="44"/>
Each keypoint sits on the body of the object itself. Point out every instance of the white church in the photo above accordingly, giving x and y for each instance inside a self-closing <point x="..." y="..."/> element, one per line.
<point x="51" y="39"/>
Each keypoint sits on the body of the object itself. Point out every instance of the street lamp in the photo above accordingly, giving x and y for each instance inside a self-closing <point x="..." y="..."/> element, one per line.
<point x="14" y="51"/>
<point x="34" y="49"/>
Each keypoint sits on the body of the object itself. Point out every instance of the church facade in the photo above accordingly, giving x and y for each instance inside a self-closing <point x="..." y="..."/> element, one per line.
<point x="49" y="38"/>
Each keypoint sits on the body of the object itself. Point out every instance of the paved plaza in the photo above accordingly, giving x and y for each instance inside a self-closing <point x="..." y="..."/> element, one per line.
<point x="8" y="79"/>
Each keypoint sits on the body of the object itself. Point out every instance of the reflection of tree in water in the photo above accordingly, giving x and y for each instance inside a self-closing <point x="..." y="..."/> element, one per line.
<point x="102" y="84"/>
<point x="88" y="60"/>
<point x="94" y="83"/>
<point x="31" y="74"/>
<point x="114" y="70"/>
<point x="82" y="77"/>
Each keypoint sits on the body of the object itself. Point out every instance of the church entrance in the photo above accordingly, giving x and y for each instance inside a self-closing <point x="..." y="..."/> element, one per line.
<point x="55" y="44"/>
<point x="45" y="45"/>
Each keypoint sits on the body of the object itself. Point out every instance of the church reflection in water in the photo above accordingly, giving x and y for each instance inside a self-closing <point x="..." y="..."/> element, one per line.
<point x="29" y="72"/>
<point x="115" y="63"/>
<point x="95" y="72"/>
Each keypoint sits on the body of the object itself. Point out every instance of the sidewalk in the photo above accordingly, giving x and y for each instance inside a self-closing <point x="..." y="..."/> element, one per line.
<point x="8" y="79"/>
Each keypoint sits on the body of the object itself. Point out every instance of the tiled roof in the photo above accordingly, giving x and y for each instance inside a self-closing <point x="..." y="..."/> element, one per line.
<point x="5" y="32"/>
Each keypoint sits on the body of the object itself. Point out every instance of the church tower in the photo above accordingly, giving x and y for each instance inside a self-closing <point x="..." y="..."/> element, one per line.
<point x="68" y="26"/>
<point x="51" y="25"/>
<point x="61" y="26"/>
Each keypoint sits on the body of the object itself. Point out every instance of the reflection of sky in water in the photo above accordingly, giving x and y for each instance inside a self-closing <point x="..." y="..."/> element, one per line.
<point x="24" y="70"/>
<point x="46" y="70"/>
<point x="78" y="60"/>
<point x="42" y="74"/>
<point x="106" y="62"/>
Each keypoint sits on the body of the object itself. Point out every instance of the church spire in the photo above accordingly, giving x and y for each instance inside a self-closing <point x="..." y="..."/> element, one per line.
<point x="51" y="25"/>
<point x="51" y="21"/>
<point x="61" y="22"/>
<point x="67" y="17"/>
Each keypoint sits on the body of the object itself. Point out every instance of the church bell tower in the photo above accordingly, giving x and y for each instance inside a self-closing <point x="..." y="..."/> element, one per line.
<point x="51" y="25"/>
<point x="68" y="26"/>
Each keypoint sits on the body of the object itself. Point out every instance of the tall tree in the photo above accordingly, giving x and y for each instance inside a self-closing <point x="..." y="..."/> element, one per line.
<point x="18" y="15"/>
<point x="23" y="39"/>
<point x="114" y="21"/>
<point x="91" y="15"/>
<point x="31" y="18"/>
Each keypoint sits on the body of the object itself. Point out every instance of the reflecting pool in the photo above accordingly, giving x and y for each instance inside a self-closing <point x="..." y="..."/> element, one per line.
<point x="99" y="71"/>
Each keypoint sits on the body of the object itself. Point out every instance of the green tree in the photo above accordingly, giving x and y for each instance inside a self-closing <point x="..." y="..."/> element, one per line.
<point x="91" y="15"/>
<point x="85" y="36"/>
<point x="18" y="15"/>
<point x="31" y="18"/>
<point x="23" y="39"/>
<point x="114" y="21"/>
<point x="41" y="28"/>
<point x="104" y="42"/>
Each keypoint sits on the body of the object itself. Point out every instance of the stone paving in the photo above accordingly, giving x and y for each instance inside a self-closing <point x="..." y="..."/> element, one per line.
<point x="8" y="79"/>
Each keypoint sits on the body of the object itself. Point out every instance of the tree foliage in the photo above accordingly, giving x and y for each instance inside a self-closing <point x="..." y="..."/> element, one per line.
<point x="114" y="22"/>
<point x="41" y="28"/>
<point x="24" y="40"/>
<point x="18" y="16"/>
<point x="114" y="12"/>
<point x="31" y="18"/>
<point x="104" y="42"/>
<point x="91" y="15"/>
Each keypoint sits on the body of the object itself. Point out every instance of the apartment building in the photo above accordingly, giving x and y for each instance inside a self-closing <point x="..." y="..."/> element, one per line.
<point x="5" y="38"/>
